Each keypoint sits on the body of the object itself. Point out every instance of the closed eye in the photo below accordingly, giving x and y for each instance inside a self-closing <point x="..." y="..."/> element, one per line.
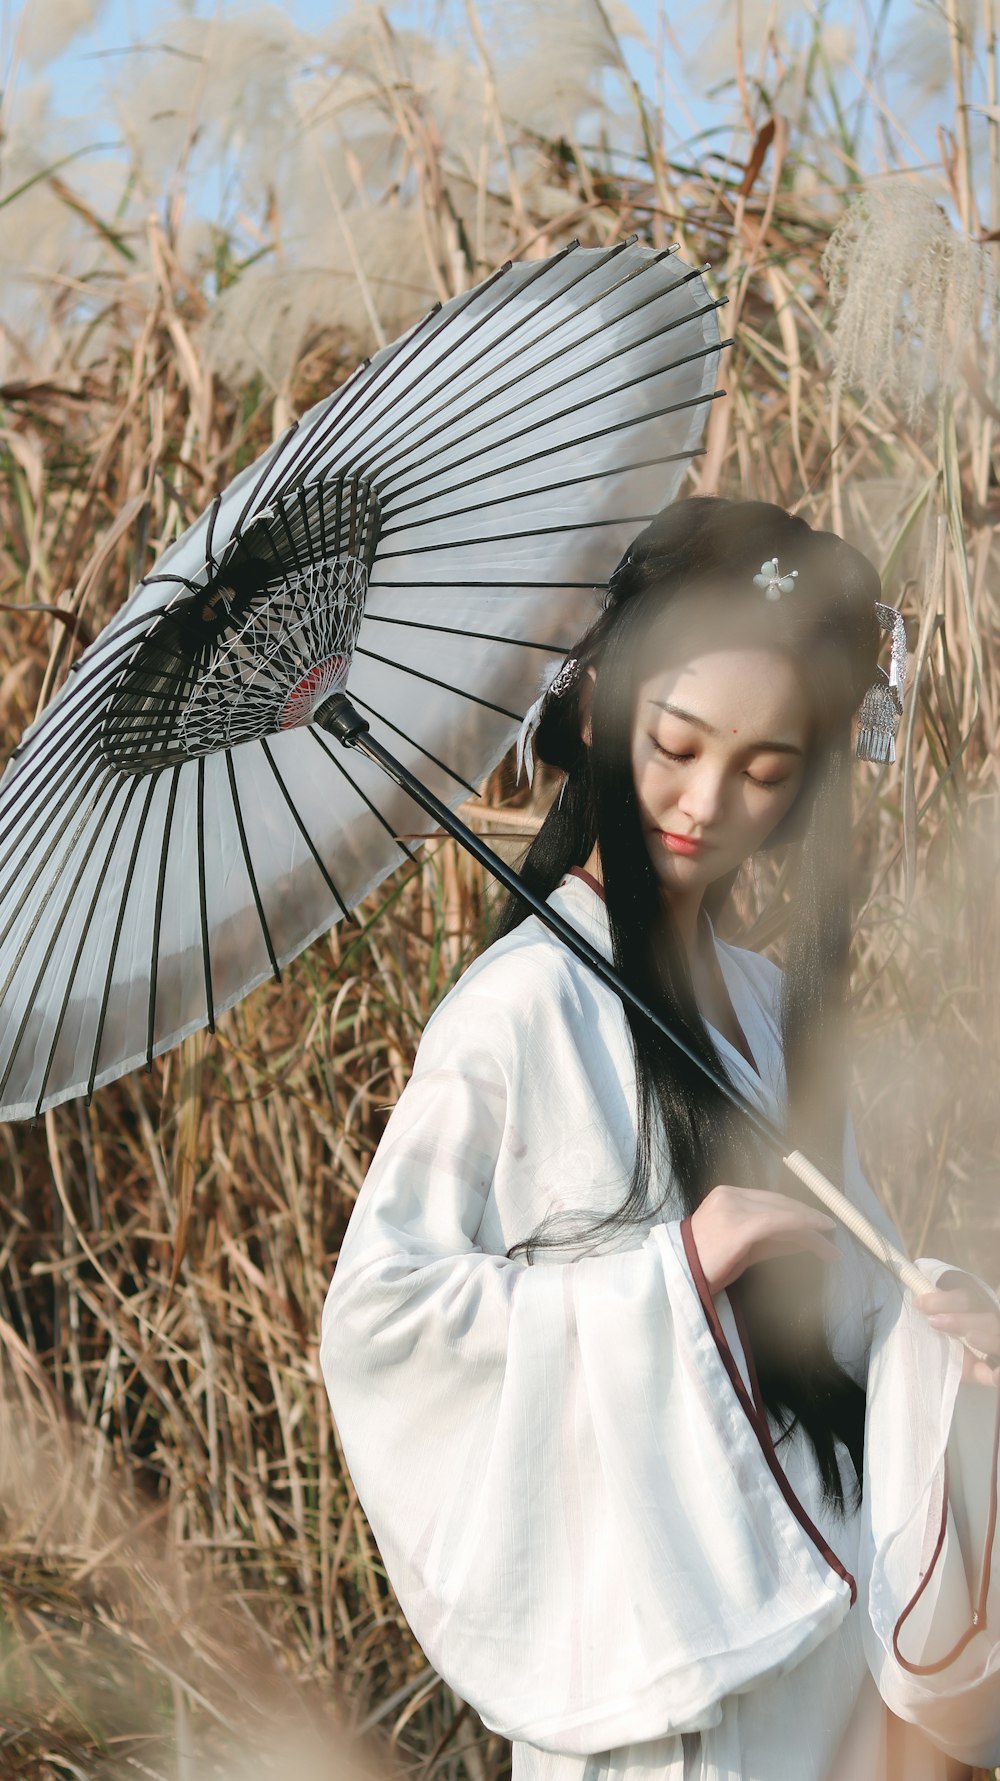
<point x="770" y="785"/>
<point x="667" y="753"/>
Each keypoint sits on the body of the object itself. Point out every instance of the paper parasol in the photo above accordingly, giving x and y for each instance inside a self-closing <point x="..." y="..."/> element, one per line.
<point x="175" y="826"/>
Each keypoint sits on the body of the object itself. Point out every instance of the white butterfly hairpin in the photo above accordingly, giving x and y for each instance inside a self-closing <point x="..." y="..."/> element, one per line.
<point x="774" y="583"/>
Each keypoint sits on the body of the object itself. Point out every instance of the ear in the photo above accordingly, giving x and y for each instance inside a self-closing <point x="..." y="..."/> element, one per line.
<point x="586" y="695"/>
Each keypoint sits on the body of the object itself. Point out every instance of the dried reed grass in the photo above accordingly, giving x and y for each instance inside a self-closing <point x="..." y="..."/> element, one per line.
<point x="165" y="1253"/>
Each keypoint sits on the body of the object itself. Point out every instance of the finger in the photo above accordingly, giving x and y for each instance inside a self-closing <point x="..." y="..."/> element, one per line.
<point x="975" y="1326"/>
<point x="979" y="1372"/>
<point x="956" y="1299"/>
<point x="789" y="1208"/>
<point x="803" y="1218"/>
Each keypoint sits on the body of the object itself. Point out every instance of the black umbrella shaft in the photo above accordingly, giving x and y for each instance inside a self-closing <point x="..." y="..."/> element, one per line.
<point x="338" y="716"/>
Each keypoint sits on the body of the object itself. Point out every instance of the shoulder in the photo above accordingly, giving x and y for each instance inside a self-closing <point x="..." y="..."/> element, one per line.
<point x="509" y="996"/>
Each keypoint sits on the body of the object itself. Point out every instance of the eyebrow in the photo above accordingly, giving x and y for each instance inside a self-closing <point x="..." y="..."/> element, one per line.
<point x="700" y="724"/>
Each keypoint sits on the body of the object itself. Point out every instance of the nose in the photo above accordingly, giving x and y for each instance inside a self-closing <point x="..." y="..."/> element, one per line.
<point x="701" y="799"/>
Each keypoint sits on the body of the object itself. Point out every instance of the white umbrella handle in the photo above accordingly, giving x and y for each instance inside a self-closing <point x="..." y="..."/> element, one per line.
<point x="859" y="1226"/>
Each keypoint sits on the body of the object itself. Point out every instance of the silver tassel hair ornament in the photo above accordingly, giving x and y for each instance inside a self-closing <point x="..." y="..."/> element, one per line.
<point x="558" y="677"/>
<point x="882" y="705"/>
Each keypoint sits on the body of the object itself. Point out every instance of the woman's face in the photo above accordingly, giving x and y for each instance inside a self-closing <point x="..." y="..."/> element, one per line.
<point x="718" y="754"/>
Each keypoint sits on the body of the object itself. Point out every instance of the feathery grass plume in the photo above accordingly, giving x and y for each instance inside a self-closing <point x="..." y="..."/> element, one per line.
<point x="41" y="235"/>
<point x="919" y="46"/>
<point x="911" y="294"/>
<point x="265" y="320"/>
<point x="552" y="62"/>
<point x="791" y="27"/>
<point x="393" y="112"/>
<point x="46" y="27"/>
<point x="226" y="81"/>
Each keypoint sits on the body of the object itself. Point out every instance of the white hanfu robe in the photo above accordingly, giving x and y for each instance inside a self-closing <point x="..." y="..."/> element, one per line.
<point x="571" y="1482"/>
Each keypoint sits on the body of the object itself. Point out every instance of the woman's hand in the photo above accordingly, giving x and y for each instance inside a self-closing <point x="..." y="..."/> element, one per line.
<point x="736" y="1226"/>
<point x="966" y="1313"/>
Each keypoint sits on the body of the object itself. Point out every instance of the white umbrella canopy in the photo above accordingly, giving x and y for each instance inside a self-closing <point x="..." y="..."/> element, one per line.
<point x="174" y="826"/>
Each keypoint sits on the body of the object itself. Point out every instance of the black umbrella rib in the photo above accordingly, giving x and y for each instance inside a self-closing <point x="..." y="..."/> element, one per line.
<point x="342" y="415"/>
<point x="396" y="418"/>
<point x="80" y="871"/>
<point x="544" y="267"/>
<point x="534" y="457"/>
<point x="419" y="624"/>
<point x="520" y="408"/>
<point x="503" y="587"/>
<point x="154" y="956"/>
<point x="403" y="449"/>
<point x="400" y="438"/>
<point x="304" y="832"/>
<point x="588" y="401"/>
<point x="54" y="768"/>
<point x="206" y="951"/>
<point x="25" y="817"/>
<point x="488" y="372"/>
<point x="543" y="488"/>
<point x="213" y="514"/>
<point x="193" y="587"/>
<point x="57" y="767"/>
<point x="251" y="874"/>
<point x="110" y="637"/>
<point x="76" y="962"/>
<point x="324" y="548"/>
<point x="432" y="680"/>
<point x="16" y="961"/>
<point x="109" y="975"/>
<point x="352" y="782"/>
<point x="580" y="525"/>
<point x="257" y="490"/>
<point x="283" y="516"/>
<point x="356" y="699"/>
<point x="70" y="692"/>
<point x="343" y="396"/>
<point x="357" y="393"/>
<point x="43" y="862"/>
<point x="83" y="698"/>
<point x="115" y="629"/>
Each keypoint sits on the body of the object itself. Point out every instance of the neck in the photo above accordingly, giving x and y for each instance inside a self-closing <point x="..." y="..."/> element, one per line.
<point x="685" y="910"/>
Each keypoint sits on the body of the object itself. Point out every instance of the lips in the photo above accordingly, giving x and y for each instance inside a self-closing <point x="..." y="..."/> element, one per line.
<point x="681" y="844"/>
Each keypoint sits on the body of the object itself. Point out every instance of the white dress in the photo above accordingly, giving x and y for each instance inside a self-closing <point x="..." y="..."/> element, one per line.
<point x="570" y="1481"/>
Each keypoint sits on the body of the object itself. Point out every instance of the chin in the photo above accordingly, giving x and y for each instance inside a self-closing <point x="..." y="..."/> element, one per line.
<point x="679" y="873"/>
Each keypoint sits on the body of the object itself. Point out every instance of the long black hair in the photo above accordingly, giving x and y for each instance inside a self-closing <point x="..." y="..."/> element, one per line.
<point x="688" y="578"/>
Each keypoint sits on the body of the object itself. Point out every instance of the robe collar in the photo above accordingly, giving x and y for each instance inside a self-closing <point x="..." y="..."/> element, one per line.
<point x="744" y="974"/>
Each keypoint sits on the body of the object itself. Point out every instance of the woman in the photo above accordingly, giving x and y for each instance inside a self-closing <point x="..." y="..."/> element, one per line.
<point x="675" y="1502"/>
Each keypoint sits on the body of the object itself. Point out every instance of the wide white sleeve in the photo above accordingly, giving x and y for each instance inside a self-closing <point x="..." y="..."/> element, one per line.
<point x="929" y="1567"/>
<point x="571" y="1504"/>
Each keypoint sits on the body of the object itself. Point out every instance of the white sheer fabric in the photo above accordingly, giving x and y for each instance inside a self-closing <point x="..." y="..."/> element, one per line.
<point x="570" y="1493"/>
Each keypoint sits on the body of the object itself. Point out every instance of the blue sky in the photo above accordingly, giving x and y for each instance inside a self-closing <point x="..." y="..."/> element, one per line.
<point x="101" y="54"/>
<point x="77" y="74"/>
